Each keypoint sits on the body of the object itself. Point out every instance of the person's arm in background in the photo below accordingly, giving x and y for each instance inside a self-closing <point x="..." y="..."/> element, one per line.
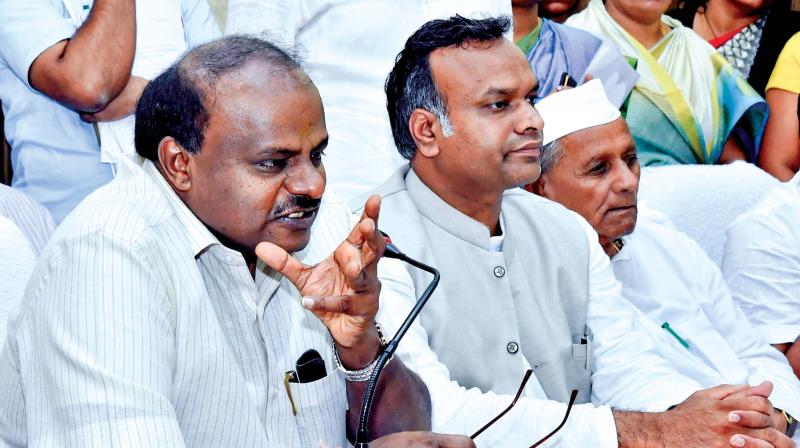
<point x="780" y="148"/>
<point x="89" y="70"/>
<point x="199" y="28"/>
<point x="761" y="266"/>
<point x="279" y="18"/>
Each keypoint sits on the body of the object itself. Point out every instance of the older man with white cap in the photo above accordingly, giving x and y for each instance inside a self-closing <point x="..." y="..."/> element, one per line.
<point x="589" y="164"/>
<point x="524" y="283"/>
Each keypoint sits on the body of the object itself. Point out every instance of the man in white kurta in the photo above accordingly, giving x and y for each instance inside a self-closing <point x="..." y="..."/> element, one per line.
<point x="682" y="298"/>
<point x="762" y="267"/>
<point x="350" y="46"/>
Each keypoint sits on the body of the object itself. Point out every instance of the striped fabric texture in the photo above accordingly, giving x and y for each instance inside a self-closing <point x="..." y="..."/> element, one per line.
<point x="140" y="329"/>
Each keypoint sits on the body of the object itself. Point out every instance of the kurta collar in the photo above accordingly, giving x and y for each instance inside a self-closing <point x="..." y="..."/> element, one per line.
<point x="431" y="206"/>
<point x="200" y="238"/>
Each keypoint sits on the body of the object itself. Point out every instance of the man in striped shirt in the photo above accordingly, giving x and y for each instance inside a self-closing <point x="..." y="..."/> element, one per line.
<point x="151" y="322"/>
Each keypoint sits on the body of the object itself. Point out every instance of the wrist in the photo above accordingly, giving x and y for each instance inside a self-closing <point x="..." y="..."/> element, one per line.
<point x="361" y="352"/>
<point x="780" y="421"/>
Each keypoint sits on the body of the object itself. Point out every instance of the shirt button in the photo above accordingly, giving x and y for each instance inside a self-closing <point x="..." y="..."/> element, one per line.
<point x="499" y="271"/>
<point x="512" y="347"/>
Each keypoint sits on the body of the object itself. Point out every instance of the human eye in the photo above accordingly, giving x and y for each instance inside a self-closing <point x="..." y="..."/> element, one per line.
<point x="498" y="106"/>
<point x="271" y="165"/>
<point x="316" y="156"/>
<point x="632" y="159"/>
<point x="598" y="169"/>
<point x="531" y="99"/>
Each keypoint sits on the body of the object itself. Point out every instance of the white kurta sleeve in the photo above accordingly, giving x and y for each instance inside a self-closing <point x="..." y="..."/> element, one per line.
<point x="462" y="410"/>
<point x="97" y="352"/>
<point x="279" y="18"/>
<point x="628" y="373"/>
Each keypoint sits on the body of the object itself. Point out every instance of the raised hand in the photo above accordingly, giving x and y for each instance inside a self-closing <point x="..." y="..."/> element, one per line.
<point x="342" y="290"/>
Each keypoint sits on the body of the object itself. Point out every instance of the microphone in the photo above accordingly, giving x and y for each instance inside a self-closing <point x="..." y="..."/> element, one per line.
<point x="362" y="436"/>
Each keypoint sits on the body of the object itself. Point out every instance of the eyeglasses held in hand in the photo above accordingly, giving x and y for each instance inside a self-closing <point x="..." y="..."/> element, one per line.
<point x="528" y="373"/>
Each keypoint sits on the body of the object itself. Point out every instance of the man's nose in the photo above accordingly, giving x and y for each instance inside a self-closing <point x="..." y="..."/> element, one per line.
<point x="306" y="179"/>
<point x="627" y="180"/>
<point x="529" y="120"/>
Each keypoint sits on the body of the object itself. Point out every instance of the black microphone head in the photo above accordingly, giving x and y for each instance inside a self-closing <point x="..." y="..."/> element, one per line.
<point x="391" y="250"/>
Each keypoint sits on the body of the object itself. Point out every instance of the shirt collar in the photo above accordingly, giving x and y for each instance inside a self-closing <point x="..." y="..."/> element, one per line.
<point x="434" y="208"/>
<point x="200" y="238"/>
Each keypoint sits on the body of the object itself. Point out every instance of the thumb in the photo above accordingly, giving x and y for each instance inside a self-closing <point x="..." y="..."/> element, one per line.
<point x="278" y="259"/>
<point x="762" y="390"/>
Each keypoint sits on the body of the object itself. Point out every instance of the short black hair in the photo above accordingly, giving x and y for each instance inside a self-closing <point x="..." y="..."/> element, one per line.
<point x="410" y="84"/>
<point x="176" y="103"/>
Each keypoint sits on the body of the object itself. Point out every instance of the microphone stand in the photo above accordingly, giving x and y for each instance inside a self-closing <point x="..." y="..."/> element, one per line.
<point x="362" y="436"/>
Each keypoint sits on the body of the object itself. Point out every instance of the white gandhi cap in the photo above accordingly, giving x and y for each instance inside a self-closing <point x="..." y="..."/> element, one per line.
<point x="575" y="109"/>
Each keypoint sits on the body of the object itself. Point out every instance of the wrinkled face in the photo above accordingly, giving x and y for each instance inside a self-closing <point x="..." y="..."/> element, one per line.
<point x="555" y="8"/>
<point x="640" y="11"/>
<point x="598" y="178"/>
<point x="489" y="90"/>
<point x="259" y="175"/>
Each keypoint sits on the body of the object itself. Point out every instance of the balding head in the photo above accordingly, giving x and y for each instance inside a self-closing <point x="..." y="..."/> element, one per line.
<point x="178" y="102"/>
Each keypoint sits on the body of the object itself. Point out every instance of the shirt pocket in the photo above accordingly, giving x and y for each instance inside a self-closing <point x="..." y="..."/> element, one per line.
<point x="321" y="411"/>
<point x="579" y="376"/>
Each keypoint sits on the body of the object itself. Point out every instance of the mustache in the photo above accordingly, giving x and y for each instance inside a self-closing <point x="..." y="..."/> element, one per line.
<point x="294" y="202"/>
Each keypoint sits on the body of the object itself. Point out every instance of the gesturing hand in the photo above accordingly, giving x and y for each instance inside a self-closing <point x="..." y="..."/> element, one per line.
<point x="342" y="290"/>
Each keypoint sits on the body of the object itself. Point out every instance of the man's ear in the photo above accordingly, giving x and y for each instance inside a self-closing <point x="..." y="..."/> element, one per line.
<point x="539" y="187"/>
<point x="174" y="164"/>
<point x="421" y="124"/>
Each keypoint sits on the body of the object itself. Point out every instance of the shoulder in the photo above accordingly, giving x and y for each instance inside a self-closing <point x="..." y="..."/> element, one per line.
<point x="392" y="190"/>
<point x="130" y="211"/>
<point x="549" y="217"/>
<point x="777" y="213"/>
<point x="655" y="231"/>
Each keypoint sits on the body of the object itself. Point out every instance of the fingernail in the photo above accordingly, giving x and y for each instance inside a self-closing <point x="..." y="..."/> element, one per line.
<point x="737" y="441"/>
<point x="734" y="417"/>
<point x="308" y="302"/>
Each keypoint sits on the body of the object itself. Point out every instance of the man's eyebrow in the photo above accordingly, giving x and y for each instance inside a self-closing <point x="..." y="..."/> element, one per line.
<point x="498" y="91"/>
<point x="278" y="150"/>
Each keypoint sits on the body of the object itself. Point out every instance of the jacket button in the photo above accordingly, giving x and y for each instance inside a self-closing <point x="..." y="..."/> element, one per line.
<point x="499" y="271"/>
<point x="512" y="347"/>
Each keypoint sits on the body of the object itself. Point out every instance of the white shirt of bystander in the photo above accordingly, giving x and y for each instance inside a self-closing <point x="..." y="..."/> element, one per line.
<point x="762" y="263"/>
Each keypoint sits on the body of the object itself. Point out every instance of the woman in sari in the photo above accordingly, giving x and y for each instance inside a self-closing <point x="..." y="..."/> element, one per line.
<point x="749" y="33"/>
<point x="554" y="49"/>
<point x="690" y="106"/>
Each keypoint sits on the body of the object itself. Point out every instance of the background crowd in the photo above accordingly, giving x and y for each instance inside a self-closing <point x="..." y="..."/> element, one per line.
<point x="698" y="100"/>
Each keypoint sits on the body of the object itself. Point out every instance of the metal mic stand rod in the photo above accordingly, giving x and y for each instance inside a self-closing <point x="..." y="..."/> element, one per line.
<point x="362" y="437"/>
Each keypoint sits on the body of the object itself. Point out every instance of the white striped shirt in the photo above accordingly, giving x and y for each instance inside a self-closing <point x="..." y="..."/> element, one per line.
<point x="31" y="217"/>
<point x="140" y="329"/>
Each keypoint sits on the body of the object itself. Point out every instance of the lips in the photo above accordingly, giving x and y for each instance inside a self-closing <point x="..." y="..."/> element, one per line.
<point x="623" y="209"/>
<point x="298" y="220"/>
<point x="533" y="149"/>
